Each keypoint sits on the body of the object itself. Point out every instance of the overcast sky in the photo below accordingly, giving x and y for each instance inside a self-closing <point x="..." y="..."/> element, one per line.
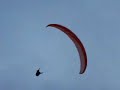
<point x="26" y="44"/>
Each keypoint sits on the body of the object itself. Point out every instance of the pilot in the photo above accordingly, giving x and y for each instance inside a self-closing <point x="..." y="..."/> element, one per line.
<point x="38" y="72"/>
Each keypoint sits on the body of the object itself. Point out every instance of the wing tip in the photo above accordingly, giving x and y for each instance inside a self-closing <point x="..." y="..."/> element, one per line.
<point x="51" y="25"/>
<point x="48" y="25"/>
<point x="81" y="72"/>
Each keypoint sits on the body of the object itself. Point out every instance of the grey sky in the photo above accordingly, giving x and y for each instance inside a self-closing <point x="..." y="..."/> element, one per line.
<point x="26" y="44"/>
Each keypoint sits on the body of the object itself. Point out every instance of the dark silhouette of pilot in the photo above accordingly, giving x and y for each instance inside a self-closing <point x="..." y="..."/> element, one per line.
<point x="38" y="72"/>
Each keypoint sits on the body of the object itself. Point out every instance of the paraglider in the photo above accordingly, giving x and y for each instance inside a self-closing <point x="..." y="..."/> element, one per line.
<point x="38" y="72"/>
<point x="78" y="44"/>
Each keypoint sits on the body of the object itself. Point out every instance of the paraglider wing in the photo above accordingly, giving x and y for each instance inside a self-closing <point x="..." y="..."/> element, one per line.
<point x="78" y="44"/>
